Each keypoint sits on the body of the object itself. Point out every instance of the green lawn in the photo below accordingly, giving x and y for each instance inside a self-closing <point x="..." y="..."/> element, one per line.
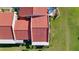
<point x="65" y="30"/>
<point x="64" y="33"/>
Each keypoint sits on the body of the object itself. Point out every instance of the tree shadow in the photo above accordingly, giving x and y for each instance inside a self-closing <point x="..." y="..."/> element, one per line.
<point x="78" y="38"/>
<point x="39" y="47"/>
<point x="27" y="43"/>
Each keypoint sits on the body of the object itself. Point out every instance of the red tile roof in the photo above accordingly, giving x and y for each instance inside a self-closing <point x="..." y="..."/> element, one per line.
<point x="40" y="11"/>
<point x="40" y="22"/>
<point x="39" y="25"/>
<point x="31" y="11"/>
<point x="6" y="18"/>
<point x="22" y="35"/>
<point x="21" y="30"/>
<point x="6" y="33"/>
<point x="40" y="34"/>
<point x="40" y="29"/>
<point x="21" y="25"/>
<point x="23" y="11"/>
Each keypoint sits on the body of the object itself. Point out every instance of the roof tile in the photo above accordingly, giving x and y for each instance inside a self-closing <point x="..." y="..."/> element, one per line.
<point x="40" y="22"/>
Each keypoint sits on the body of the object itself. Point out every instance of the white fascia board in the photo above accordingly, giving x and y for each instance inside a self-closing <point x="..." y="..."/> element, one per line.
<point x="40" y="43"/>
<point x="7" y="41"/>
<point x="13" y="24"/>
<point x="18" y="41"/>
<point x="10" y="41"/>
<point x="31" y="30"/>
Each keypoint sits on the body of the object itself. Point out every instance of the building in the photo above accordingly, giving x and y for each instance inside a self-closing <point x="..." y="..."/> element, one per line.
<point x="39" y="30"/>
<point x="31" y="23"/>
<point x="32" y="11"/>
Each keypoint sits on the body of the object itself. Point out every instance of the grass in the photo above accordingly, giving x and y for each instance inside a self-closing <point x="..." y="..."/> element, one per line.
<point x="66" y="30"/>
<point x="64" y="33"/>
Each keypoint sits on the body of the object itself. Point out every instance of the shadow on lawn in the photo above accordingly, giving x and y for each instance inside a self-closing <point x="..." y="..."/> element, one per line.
<point x="35" y="48"/>
<point x="9" y="45"/>
<point x="30" y="47"/>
